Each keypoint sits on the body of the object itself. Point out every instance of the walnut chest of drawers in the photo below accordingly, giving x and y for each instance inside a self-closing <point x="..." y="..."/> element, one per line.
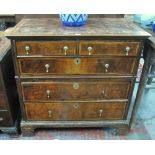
<point x="9" y="105"/>
<point x="76" y="77"/>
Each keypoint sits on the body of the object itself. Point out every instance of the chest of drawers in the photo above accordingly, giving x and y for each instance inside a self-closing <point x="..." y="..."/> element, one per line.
<point x="76" y="77"/>
<point x="9" y="105"/>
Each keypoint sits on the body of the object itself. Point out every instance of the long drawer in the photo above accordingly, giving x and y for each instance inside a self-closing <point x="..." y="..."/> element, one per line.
<point x="110" y="48"/>
<point x="106" y="66"/>
<point x="46" y="48"/>
<point x="76" y="111"/>
<point x="76" y="90"/>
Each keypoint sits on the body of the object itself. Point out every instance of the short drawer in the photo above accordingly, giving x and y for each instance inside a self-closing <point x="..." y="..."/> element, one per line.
<point x="107" y="66"/>
<point x="46" y="48"/>
<point x="5" y="119"/>
<point x="2" y="102"/>
<point x="109" y="48"/>
<point x="76" y="111"/>
<point x="75" y="90"/>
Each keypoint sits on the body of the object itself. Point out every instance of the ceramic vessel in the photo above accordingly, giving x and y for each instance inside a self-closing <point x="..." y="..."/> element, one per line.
<point x="73" y="19"/>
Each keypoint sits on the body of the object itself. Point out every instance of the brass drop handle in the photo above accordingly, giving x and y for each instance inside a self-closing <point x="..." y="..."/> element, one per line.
<point x="103" y="93"/>
<point x="127" y="50"/>
<point x="100" y="113"/>
<point x="48" y="92"/>
<point x="1" y="118"/>
<point x="65" y="49"/>
<point x="89" y="50"/>
<point x="27" y="49"/>
<point x="49" y="113"/>
<point x="47" y="66"/>
<point x="106" y="67"/>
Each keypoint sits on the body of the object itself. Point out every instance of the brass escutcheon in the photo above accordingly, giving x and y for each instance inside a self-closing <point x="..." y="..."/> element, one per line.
<point x="76" y="85"/>
<point x="76" y="105"/>
<point x="77" y="61"/>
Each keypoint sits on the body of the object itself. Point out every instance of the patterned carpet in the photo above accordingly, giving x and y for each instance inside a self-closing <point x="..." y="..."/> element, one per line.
<point x="139" y="132"/>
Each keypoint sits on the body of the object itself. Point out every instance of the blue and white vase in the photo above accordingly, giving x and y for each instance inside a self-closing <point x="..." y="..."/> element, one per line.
<point x="73" y="19"/>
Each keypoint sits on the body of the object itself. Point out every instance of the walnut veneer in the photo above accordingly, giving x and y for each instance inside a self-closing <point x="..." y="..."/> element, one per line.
<point x="76" y="77"/>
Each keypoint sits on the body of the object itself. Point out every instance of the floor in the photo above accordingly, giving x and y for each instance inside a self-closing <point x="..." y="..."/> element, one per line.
<point x="144" y="128"/>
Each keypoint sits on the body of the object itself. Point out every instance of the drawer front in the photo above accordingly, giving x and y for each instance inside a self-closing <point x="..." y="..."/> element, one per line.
<point x="73" y="91"/>
<point x="4" y="119"/>
<point x="109" y="48"/>
<point x="46" y="48"/>
<point x="76" y="111"/>
<point x="2" y="102"/>
<point x="47" y="66"/>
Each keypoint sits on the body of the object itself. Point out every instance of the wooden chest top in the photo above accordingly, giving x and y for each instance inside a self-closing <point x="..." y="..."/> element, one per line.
<point x="105" y="27"/>
<point x="5" y="45"/>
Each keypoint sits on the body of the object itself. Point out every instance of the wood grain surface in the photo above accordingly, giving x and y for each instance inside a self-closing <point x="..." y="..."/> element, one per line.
<point x="47" y="48"/>
<point x="75" y="90"/>
<point x="60" y="66"/>
<point x="76" y="111"/>
<point x="110" y="48"/>
<point x="95" y="27"/>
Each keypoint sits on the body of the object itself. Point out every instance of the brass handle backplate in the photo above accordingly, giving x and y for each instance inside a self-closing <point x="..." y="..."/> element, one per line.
<point x="48" y="92"/>
<point x="100" y="113"/>
<point x="127" y="50"/>
<point x="106" y="67"/>
<point x="27" y="49"/>
<point x="47" y="66"/>
<point x="89" y="50"/>
<point x="49" y="113"/>
<point x="65" y="49"/>
<point x="103" y="93"/>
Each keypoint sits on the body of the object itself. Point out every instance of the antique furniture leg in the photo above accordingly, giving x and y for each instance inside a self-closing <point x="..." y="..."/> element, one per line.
<point x="27" y="130"/>
<point x="152" y="71"/>
<point x="121" y="130"/>
<point x="12" y="131"/>
<point x="142" y="84"/>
